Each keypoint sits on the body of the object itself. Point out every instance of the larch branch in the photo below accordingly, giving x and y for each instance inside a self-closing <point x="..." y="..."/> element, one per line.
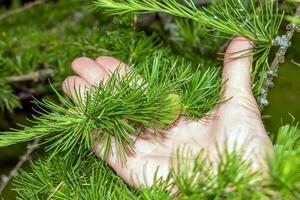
<point x="6" y="179"/>
<point x="33" y="76"/>
<point x="284" y="43"/>
<point x="22" y="9"/>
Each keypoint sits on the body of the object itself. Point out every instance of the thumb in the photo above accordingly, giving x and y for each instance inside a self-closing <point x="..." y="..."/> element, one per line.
<point x="236" y="72"/>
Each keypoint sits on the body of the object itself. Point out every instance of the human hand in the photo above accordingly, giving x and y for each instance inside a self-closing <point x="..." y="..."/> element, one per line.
<point x="236" y="124"/>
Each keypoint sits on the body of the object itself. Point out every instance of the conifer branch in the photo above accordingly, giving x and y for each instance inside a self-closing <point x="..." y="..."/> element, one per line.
<point x="6" y="179"/>
<point x="87" y="177"/>
<point x="21" y="9"/>
<point x="33" y="76"/>
<point x="284" y="43"/>
<point x="230" y="17"/>
<point x="152" y="97"/>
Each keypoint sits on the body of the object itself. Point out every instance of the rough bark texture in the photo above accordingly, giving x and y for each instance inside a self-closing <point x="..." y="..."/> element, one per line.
<point x="284" y="43"/>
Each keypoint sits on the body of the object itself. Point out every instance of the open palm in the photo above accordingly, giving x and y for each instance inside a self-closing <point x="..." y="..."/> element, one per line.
<point x="236" y="123"/>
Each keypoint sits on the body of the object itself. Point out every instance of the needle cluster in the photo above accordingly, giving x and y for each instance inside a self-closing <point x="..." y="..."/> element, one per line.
<point x="152" y="96"/>
<point x="258" y="20"/>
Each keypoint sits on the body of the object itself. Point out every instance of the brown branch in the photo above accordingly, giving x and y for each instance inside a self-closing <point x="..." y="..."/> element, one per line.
<point x="22" y="9"/>
<point x="284" y="43"/>
<point x="33" y="76"/>
<point x="6" y="179"/>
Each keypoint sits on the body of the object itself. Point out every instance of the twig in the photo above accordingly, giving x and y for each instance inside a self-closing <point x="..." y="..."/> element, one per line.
<point x="284" y="43"/>
<point x="6" y="179"/>
<point x="133" y="26"/>
<point x="21" y="9"/>
<point x="55" y="190"/>
<point x="33" y="76"/>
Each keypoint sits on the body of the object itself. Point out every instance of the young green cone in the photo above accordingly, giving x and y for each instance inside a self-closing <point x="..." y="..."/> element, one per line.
<point x="172" y="109"/>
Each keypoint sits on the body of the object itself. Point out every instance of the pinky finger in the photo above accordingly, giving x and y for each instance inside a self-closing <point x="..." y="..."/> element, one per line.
<point x="75" y="87"/>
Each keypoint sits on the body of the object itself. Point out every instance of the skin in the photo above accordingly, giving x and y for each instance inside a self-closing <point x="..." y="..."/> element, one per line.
<point x="236" y="124"/>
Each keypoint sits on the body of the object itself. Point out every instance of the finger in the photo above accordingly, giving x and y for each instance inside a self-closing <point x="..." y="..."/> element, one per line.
<point x="111" y="64"/>
<point x="75" y="87"/>
<point x="114" y="159"/>
<point x="90" y="70"/>
<point x="237" y="66"/>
